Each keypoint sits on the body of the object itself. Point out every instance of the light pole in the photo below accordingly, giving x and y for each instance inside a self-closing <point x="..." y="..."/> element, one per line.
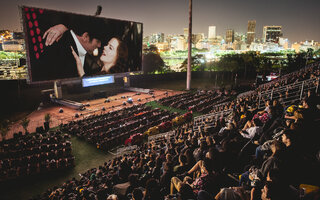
<point x="189" y="47"/>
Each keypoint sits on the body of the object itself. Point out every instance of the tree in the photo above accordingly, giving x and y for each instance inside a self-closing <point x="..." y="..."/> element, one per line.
<point x="196" y="64"/>
<point x="25" y="123"/>
<point x="152" y="62"/>
<point x="247" y="60"/>
<point x="317" y="53"/>
<point x="310" y="53"/>
<point x="265" y="65"/>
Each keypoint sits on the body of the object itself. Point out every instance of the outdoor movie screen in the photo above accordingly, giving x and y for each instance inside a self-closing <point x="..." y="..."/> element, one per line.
<point x="63" y="45"/>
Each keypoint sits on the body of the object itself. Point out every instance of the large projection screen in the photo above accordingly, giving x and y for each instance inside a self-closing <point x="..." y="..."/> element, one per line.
<point x="82" y="46"/>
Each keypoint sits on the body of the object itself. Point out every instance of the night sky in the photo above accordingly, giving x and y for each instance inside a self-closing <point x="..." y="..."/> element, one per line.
<point x="300" y="19"/>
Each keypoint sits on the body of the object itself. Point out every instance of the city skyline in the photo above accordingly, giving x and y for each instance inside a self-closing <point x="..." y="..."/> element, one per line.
<point x="298" y="19"/>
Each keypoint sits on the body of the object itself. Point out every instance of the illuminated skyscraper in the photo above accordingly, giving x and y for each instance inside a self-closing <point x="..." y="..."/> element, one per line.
<point x="157" y="37"/>
<point x="272" y="33"/>
<point x="229" y="36"/>
<point x="212" y="32"/>
<point x="251" y="31"/>
<point x="196" y="37"/>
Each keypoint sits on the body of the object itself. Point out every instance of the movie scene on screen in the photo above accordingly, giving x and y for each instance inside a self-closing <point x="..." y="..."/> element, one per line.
<point x="63" y="45"/>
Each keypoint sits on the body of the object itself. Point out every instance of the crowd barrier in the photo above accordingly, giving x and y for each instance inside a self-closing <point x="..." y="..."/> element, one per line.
<point x="126" y="150"/>
<point x="166" y="136"/>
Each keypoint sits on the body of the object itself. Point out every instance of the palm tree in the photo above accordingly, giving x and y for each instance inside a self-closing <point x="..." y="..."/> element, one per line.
<point x="189" y="47"/>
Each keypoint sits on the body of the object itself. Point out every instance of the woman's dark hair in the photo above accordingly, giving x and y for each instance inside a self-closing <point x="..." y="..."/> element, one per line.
<point x="122" y="58"/>
<point x="120" y="65"/>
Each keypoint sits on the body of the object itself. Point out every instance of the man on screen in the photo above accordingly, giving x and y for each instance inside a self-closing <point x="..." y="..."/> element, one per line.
<point x="113" y="58"/>
<point x="57" y="60"/>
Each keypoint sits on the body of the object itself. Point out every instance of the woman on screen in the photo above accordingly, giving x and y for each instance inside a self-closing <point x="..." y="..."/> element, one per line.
<point x="112" y="60"/>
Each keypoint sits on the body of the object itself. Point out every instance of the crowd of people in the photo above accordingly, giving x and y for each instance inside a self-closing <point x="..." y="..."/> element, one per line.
<point x="217" y="101"/>
<point x="284" y="90"/>
<point x="34" y="153"/>
<point x="311" y="71"/>
<point x="249" y="154"/>
<point x="200" y="101"/>
<point x="111" y="129"/>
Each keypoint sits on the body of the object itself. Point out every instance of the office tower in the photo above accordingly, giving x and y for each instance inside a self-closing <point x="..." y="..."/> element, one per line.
<point x="284" y="42"/>
<point x="196" y="37"/>
<point x="272" y="33"/>
<point x="157" y="37"/>
<point x="229" y="36"/>
<point x="251" y="31"/>
<point x="212" y="32"/>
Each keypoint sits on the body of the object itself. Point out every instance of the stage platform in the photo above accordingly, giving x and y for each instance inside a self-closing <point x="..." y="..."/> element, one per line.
<point x="93" y="107"/>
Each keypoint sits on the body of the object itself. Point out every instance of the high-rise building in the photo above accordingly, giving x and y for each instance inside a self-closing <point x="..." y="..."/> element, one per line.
<point x="178" y="43"/>
<point x="272" y="33"/>
<point x="146" y="40"/>
<point x="284" y="42"/>
<point x="196" y="37"/>
<point x="212" y="32"/>
<point x="157" y="37"/>
<point x="229" y="36"/>
<point x="251" y="31"/>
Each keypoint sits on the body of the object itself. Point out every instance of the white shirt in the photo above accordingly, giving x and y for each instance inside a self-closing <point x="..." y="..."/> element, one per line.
<point x="82" y="52"/>
<point x="252" y="132"/>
